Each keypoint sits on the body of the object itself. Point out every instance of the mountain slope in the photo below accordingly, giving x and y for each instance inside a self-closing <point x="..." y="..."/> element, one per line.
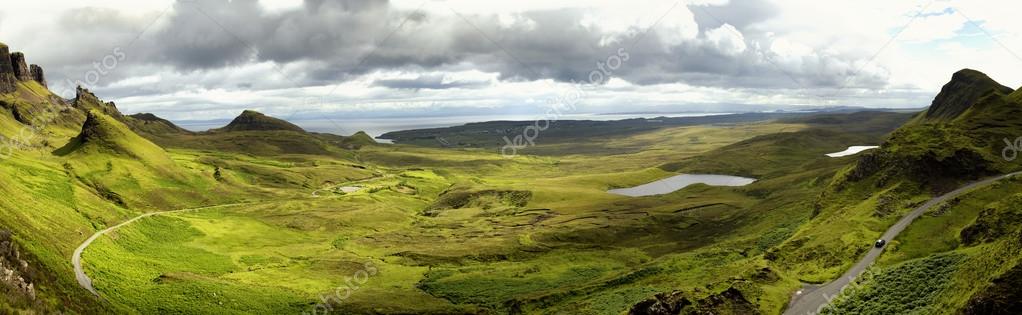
<point x="104" y="134"/>
<point x="255" y="121"/>
<point x="154" y="125"/>
<point x="250" y="133"/>
<point x="959" y="139"/>
<point x="965" y="89"/>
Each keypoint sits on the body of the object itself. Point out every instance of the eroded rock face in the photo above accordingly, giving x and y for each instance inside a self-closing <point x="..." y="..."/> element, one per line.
<point x="37" y="74"/>
<point x="20" y="67"/>
<point x="8" y="82"/>
<point x="14" y="271"/>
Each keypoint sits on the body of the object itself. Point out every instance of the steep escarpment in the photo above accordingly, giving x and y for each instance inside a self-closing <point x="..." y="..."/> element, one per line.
<point x="959" y="138"/>
<point x="966" y="88"/>
<point x="14" y="68"/>
<point x="8" y="81"/>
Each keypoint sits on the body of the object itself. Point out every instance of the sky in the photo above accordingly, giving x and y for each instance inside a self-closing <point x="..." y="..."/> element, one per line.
<point x="210" y="59"/>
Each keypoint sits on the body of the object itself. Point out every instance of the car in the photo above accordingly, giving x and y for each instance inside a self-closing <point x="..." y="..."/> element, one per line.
<point x="880" y="243"/>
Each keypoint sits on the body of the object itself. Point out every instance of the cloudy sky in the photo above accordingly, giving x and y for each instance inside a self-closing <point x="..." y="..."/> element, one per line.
<point x="208" y="59"/>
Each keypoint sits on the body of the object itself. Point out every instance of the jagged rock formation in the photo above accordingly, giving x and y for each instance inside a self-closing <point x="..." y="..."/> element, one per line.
<point x="37" y="74"/>
<point x="85" y="100"/>
<point x="255" y="121"/>
<point x="8" y="82"/>
<point x="21" y="71"/>
<point x="966" y="87"/>
<point x="14" y="68"/>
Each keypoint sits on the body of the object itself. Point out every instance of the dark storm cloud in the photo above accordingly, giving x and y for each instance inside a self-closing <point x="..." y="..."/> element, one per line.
<point x="208" y="34"/>
<point x="335" y="41"/>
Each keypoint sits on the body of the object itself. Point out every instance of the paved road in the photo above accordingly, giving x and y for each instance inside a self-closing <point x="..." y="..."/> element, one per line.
<point x="76" y="258"/>
<point x="814" y="298"/>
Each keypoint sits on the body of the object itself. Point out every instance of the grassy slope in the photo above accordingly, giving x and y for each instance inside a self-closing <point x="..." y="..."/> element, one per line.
<point x="929" y="155"/>
<point x="572" y="247"/>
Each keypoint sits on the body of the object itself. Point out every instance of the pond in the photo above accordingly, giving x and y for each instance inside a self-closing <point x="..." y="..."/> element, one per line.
<point x="852" y="150"/>
<point x="674" y="183"/>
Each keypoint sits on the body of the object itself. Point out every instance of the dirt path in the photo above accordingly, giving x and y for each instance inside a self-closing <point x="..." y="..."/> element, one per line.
<point x="76" y="258"/>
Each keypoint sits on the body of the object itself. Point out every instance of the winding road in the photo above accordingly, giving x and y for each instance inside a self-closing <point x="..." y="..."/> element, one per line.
<point x="812" y="299"/>
<point x="76" y="258"/>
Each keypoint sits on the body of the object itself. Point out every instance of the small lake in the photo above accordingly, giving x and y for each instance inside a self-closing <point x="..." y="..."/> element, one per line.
<point x="852" y="150"/>
<point x="673" y="183"/>
<point x="349" y="189"/>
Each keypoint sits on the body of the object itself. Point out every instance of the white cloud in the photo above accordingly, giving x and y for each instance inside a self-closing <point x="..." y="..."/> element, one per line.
<point x="834" y="44"/>
<point x="727" y="39"/>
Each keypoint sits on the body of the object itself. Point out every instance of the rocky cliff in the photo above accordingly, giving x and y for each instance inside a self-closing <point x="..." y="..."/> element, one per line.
<point x="21" y="71"/>
<point x="37" y="74"/>
<point x="964" y="90"/>
<point x="14" y="68"/>
<point x="8" y="82"/>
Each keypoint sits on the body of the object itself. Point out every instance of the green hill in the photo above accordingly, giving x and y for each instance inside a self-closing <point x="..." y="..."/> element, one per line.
<point x="154" y="125"/>
<point x="104" y="134"/>
<point x="960" y="138"/>
<point x="966" y="88"/>
<point x="254" y="121"/>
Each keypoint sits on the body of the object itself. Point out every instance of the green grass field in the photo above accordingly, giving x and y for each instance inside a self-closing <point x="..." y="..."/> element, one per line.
<point x="394" y="229"/>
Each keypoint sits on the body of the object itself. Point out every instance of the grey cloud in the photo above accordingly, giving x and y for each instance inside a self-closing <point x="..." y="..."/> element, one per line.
<point x="338" y="40"/>
<point x="435" y="82"/>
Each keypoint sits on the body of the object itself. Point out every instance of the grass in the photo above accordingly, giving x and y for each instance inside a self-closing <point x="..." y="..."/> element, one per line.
<point x="907" y="288"/>
<point x="536" y="233"/>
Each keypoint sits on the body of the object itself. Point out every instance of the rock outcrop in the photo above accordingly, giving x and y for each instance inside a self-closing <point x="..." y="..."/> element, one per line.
<point x="8" y="82"/>
<point x="15" y="272"/>
<point x="85" y="100"/>
<point x="37" y="74"/>
<point x="21" y="71"/>
<point x="14" y="68"/>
